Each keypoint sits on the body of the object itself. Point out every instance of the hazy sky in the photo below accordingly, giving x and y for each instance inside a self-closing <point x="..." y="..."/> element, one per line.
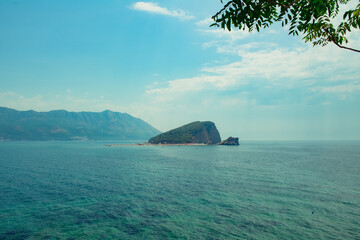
<point x="161" y="62"/>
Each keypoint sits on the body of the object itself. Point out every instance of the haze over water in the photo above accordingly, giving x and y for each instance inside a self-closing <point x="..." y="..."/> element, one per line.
<point x="259" y="190"/>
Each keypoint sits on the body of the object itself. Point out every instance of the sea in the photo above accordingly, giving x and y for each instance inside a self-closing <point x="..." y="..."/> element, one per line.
<point x="258" y="190"/>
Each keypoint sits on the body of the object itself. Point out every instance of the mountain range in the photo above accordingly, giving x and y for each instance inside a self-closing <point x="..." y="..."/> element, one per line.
<point x="64" y="125"/>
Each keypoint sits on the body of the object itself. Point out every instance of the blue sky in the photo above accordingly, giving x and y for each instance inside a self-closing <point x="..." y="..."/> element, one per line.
<point x="161" y="62"/>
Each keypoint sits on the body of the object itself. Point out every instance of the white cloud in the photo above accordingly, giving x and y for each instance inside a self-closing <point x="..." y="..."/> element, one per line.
<point x="68" y="102"/>
<point x="205" y="22"/>
<point x="223" y="37"/>
<point x="241" y="99"/>
<point x="219" y="36"/>
<point x="156" y="9"/>
<point x="258" y="65"/>
<point x="179" y="87"/>
<point x="344" y="88"/>
<point x="222" y="34"/>
<point x="240" y="49"/>
<point x="14" y="100"/>
<point x="272" y="65"/>
<point x="283" y="68"/>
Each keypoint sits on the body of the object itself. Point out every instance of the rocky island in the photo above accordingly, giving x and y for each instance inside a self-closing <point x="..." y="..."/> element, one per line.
<point x="231" y="141"/>
<point x="192" y="133"/>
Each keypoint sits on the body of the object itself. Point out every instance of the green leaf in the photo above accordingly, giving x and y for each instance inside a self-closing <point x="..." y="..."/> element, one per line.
<point x="312" y="18"/>
<point x="228" y="24"/>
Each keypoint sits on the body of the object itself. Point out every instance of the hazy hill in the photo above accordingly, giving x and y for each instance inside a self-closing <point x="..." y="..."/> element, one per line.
<point x="64" y="125"/>
<point x="195" y="132"/>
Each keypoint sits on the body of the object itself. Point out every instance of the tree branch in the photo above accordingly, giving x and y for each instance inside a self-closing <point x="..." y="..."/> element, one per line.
<point x="226" y="6"/>
<point x="347" y="48"/>
<point x="332" y="39"/>
<point x="292" y="3"/>
<point x="269" y="1"/>
<point x="282" y="5"/>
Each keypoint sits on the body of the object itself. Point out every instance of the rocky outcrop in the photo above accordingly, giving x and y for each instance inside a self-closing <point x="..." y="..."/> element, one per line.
<point x="195" y="132"/>
<point x="230" y="141"/>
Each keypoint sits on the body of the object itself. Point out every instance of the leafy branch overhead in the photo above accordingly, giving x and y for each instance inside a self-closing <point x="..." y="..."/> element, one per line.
<point x="313" y="18"/>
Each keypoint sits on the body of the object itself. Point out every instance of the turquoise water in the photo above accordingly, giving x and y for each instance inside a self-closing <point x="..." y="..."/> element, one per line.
<point x="259" y="190"/>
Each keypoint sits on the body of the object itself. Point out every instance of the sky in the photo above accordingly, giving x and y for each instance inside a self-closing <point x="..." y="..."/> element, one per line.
<point x="161" y="62"/>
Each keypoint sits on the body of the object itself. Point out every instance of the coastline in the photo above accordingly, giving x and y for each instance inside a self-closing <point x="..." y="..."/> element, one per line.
<point x="160" y="144"/>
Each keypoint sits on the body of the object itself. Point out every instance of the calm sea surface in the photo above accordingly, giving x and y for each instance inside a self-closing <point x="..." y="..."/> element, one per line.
<point x="259" y="190"/>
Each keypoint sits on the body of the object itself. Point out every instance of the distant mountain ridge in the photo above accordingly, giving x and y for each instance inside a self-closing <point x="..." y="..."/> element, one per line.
<point x="64" y="125"/>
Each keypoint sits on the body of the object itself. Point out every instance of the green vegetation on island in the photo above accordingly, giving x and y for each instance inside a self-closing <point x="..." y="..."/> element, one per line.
<point x="63" y="125"/>
<point x="195" y="132"/>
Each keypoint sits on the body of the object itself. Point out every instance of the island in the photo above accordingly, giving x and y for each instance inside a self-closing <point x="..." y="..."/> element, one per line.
<point x="231" y="141"/>
<point x="192" y="133"/>
<point x="199" y="133"/>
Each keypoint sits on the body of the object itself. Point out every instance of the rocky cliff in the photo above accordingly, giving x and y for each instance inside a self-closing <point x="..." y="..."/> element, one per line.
<point x="195" y="132"/>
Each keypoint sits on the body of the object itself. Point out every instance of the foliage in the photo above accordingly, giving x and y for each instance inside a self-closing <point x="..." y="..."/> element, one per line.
<point x="313" y="18"/>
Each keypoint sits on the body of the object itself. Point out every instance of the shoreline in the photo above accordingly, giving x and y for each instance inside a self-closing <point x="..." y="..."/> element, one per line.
<point x="160" y="144"/>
